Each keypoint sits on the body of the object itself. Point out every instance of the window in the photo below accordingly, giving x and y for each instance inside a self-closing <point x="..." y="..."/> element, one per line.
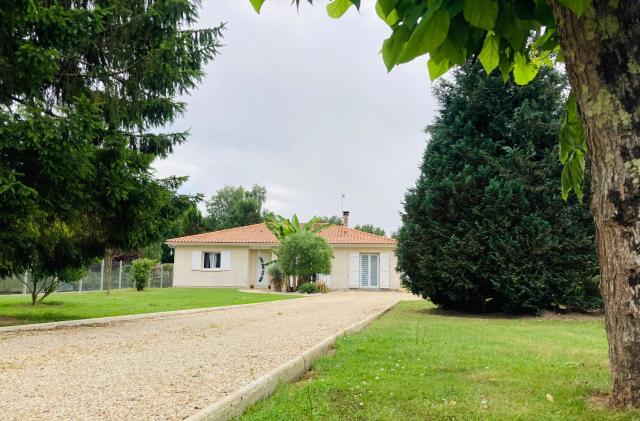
<point x="212" y="260"/>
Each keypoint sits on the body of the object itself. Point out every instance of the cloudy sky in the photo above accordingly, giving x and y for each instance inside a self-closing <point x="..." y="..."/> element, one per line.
<point x="303" y="105"/>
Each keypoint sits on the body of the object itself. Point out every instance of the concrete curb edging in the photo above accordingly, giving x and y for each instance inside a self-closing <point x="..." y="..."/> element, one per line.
<point x="234" y="404"/>
<point x="128" y="317"/>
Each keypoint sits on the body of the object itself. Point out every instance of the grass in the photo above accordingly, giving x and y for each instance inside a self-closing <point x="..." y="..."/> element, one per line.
<point x="17" y="309"/>
<point x="417" y="363"/>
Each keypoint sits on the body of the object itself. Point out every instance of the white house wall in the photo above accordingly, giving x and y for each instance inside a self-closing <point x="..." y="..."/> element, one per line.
<point x="242" y="272"/>
<point x="236" y="276"/>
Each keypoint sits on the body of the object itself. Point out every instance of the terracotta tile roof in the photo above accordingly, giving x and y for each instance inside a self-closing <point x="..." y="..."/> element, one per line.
<point x="260" y="234"/>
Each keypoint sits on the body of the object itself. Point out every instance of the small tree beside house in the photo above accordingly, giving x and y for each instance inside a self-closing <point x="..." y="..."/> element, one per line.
<point x="40" y="283"/>
<point x="303" y="255"/>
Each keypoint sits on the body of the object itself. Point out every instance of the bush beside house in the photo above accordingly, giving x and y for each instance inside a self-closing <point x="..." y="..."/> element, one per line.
<point x="141" y="271"/>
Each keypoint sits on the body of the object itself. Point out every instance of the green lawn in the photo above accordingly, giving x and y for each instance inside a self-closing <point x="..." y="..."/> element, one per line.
<point x="17" y="309"/>
<point x="416" y="363"/>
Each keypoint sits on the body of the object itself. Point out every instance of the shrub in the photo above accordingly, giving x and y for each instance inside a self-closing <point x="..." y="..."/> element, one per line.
<point x="322" y="287"/>
<point x="304" y="255"/>
<point x="276" y="275"/>
<point x="141" y="272"/>
<point x="308" y="288"/>
<point x="485" y="227"/>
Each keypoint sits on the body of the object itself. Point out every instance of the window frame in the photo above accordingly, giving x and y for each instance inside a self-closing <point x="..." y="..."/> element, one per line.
<point x="213" y="260"/>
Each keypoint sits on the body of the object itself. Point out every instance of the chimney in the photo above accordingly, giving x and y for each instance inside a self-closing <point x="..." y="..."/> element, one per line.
<point x="345" y="218"/>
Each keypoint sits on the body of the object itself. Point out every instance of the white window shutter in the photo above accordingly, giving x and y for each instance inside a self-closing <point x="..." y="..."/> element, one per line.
<point x="354" y="270"/>
<point x="196" y="260"/>
<point x="385" y="259"/>
<point x="225" y="264"/>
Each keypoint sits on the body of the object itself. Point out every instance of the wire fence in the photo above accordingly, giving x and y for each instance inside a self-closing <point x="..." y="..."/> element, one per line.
<point x="97" y="278"/>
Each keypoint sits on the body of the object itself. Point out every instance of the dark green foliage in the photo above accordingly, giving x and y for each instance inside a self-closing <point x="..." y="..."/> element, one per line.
<point x="308" y="288"/>
<point x="189" y="222"/>
<point x="303" y="254"/>
<point x="371" y="229"/>
<point x="485" y="227"/>
<point x="84" y="86"/>
<point x="235" y="207"/>
<point x="141" y="272"/>
<point x="192" y="221"/>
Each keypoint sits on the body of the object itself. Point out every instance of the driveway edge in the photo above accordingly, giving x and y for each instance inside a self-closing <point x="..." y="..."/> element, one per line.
<point x="234" y="404"/>
<point x="110" y="319"/>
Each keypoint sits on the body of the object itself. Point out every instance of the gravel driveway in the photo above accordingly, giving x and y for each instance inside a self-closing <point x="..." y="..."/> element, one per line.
<point x="165" y="367"/>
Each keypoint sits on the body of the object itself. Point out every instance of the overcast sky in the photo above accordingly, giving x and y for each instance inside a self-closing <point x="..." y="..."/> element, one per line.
<point x="303" y="105"/>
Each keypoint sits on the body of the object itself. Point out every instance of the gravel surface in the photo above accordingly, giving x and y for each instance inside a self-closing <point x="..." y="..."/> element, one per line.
<point x="165" y="367"/>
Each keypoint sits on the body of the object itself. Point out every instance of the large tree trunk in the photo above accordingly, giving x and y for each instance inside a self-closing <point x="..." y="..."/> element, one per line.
<point x="602" y="53"/>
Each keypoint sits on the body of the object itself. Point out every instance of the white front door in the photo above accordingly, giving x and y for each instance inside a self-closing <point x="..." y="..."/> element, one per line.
<point x="369" y="271"/>
<point x="261" y="270"/>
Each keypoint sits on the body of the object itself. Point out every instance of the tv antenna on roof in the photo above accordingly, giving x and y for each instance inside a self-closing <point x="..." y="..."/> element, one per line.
<point x="342" y="202"/>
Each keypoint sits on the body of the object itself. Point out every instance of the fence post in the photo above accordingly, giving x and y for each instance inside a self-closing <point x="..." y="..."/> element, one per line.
<point x="26" y="280"/>
<point x="120" y="276"/>
<point x="101" y="274"/>
<point x="80" y="284"/>
<point x="161" y="272"/>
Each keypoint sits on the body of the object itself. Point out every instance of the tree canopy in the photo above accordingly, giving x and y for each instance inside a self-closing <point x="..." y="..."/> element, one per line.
<point x="333" y="220"/>
<point x="233" y="206"/>
<point x="371" y="229"/>
<point x="83" y="87"/>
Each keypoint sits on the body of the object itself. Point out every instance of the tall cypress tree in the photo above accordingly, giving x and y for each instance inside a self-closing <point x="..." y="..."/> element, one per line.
<point x="485" y="227"/>
<point x="85" y="88"/>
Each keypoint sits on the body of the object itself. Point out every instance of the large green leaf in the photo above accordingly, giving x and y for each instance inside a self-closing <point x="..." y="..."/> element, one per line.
<point x="427" y="36"/>
<point x="523" y="70"/>
<point x="337" y="8"/>
<point x="392" y="47"/>
<point x="450" y="51"/>
<point x="481" y="13"/>
<point x="577" y="6"/>
<point x="573" y="176"/>
<point x="438" y="68"/>
<point x="573" y="147"/>
<point x="505" y="66"/>
<point x="386" y="6"/>
<point x="490" y="54"/>
<point x="257" y="4"/>
<point x="389" y="18"/>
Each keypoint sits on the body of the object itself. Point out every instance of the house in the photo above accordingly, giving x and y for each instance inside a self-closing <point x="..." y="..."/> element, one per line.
<point x="238" y="257"/>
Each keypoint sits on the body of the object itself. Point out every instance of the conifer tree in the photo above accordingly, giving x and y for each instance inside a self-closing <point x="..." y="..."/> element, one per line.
<point x="485" y="228"/>
<point x="86" y="87"/>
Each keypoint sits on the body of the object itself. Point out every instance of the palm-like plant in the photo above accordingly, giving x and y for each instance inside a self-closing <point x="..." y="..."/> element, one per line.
<point x="282" y="227"/>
